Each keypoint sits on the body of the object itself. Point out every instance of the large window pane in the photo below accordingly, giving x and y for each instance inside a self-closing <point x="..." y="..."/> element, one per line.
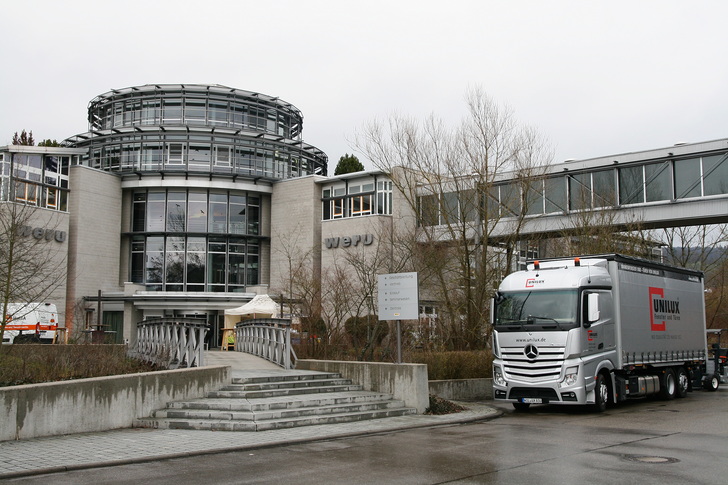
<point x="175" y="263"/>
<point x="237" y="214"/>
<point x="450" y="212"/>
<point x="155" y="262"/>
<point x="176" y="217"/>
<point x="195" y="264"/>
<point x="510" y="200"/>
<point x="580" y="191"/>
<point x="218" y="213"/>
<point x="715" y="173"/>
<point x="197" y="212"/>
<point x="155" y="211"/>
<point x="534" y="198"/>
<point x="603" y="187"/>
<point x="657" y="182"/>
<point x="631" y="185"/>
<point x="429" y="210"/>
<point x="555" y="195"/>
<point x="687" y="178"/>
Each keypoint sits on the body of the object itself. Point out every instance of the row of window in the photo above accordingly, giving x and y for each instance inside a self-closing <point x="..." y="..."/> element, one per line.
<point x="357" y="199"/>
<point x="195" y="263"/>
<point x="619" y="186"/>
<point x="35" y="179"/>
<point x="246" y="157"/>
<point x="196" y="211"/>
<point x="194" y="111"/>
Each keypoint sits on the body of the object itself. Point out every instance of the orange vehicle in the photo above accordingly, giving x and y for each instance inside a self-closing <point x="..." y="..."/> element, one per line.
<point x="31" y="322"/>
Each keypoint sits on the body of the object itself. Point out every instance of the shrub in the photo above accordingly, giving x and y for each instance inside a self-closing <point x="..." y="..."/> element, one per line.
<point x="439" y="405"/>
<point x="32" y="364"/>
<point x="455" y="365"/>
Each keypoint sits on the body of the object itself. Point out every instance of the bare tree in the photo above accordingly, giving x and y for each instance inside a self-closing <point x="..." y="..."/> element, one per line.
<point x="32" y="266"/>
<point x="450" y="178"/>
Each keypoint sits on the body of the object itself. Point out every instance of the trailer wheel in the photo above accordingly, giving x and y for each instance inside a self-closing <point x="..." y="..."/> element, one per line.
<point x="683" y="382"/>
<point x="521" y="406"/>
<point x="668" y="384"/>
<point x="712" y="383"/>
<point x="601" y="394"/>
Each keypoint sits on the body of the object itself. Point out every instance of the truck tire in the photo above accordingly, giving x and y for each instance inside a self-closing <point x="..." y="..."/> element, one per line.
<point x="668" y="384"/>
<point x="521" y="406"/>
<point x="601" y="394"/>
<point x="711" y="383"/>
<point x="683" y="382"/>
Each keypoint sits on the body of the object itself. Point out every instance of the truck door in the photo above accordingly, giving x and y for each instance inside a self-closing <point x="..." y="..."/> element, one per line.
<point x="598" y="336"/>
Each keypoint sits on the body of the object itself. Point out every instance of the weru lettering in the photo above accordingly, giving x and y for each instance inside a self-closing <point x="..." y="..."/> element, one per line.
<point x="348" y="241"/>
<point x="41" y="233"/>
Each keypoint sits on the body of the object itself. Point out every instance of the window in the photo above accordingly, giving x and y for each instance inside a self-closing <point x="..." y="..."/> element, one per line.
<point x="580" y="191"/>
<point x="715" y="175"/>
<point x="534" y="198"/>
<point x="195" y="275"/>
<point x="603" y="187"/>
<point x="687" y="178"/>
<point x="658" y="185"/>
<point x="197" y="212"/>
<point x="218" y="213"/>
<point x="222" y="156"/>
<point x="176" y="217"/>
<point x="175" y="153"/>
<point x="555" y="195"/>
<point x="195" y="111"/>
<point x="139" y="211"/>
<point x="172" y="111"/>
<point x="631" y="185"/>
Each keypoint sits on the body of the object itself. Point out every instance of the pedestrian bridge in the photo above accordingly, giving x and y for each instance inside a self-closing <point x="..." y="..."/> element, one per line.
<point x="682" y="185"/>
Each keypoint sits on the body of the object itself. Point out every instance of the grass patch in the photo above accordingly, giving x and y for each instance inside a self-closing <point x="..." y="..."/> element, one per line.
<point x="35" y="363"/>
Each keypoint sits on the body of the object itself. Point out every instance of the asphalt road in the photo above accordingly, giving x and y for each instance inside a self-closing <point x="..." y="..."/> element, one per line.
<point x="682" y="441"/>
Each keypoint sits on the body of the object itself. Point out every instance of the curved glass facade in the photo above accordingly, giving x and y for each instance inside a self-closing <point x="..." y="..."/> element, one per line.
<point x="197" y="128"/>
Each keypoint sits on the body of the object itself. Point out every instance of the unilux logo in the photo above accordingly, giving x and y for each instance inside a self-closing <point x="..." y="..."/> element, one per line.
<point x="660" y="308"/>
<point x="531" y="282"/>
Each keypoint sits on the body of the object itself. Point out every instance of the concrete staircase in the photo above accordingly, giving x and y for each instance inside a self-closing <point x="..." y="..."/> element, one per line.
<point x="274" y="402"/>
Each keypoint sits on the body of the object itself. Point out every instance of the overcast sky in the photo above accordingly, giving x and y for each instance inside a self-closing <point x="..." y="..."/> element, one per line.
<point x="597" y="78"/>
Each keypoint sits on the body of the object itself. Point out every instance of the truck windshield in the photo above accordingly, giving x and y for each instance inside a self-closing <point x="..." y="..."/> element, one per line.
<point x="536" y="310"/>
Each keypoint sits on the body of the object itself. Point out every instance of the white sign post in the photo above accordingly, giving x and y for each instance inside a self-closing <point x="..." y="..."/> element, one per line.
<point x="398" y="300"/>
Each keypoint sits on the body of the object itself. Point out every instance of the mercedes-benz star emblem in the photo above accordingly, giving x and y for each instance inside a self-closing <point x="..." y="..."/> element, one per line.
<point x="530" y="351"/>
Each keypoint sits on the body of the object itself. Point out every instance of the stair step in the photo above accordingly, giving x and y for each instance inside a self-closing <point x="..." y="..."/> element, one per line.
<point x="261" y="386"/>
<point x="281" y="402"/>
<point x="271" y="424"/>
<point x="281" y="392"/>
<point x="229" y="415"/>
<point x="286" y="377"/>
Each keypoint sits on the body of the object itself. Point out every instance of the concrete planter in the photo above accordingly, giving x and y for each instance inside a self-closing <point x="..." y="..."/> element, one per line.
<point x="100" y="403"/>
<point x="463" y="389"/>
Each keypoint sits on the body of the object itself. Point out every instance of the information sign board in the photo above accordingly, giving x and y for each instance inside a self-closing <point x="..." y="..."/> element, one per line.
<point x="398" y="296"/>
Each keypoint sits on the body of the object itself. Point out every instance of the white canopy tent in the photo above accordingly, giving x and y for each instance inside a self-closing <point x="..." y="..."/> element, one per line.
<point x="261" y="306"/>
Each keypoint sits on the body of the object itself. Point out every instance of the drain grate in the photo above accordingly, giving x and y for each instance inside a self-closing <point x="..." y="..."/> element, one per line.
<point x="650" y="459"/>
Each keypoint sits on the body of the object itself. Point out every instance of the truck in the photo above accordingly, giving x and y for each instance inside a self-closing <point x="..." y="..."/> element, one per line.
<point x="598" y="330"/>
<point x="30" y="323"/>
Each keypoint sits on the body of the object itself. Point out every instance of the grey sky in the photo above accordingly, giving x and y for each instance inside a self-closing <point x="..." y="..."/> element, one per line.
<point x="597" y="78"/>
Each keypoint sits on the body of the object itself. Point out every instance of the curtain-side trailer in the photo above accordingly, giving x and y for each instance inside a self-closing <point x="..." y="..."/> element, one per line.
<point x="598" y="330"/>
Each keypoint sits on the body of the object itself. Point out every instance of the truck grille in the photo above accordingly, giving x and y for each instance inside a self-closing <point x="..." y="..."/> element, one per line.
<point x="541" y="364"/>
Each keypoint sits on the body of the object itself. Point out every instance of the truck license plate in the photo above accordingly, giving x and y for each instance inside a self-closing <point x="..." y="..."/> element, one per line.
<point x="531" y="400"/>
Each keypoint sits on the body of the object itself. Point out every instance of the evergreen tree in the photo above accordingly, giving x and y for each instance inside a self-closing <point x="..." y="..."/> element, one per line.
<point x="24" y="138"/>
<point x="348" y="164"/>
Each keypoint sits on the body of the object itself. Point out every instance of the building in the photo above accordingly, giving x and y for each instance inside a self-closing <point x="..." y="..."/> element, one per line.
<point x="186" y="200"/>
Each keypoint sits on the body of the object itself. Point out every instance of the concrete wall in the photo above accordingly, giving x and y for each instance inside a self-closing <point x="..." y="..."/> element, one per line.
<point x="100" y="403"/>
<point x="463" y="389"/>
<point x="406" y="382"/>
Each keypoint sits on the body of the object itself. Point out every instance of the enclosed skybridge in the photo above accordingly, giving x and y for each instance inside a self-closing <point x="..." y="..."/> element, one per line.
<point x="682" y="185"/>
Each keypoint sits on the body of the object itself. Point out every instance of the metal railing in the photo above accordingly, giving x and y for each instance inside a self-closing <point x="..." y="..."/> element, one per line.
<point x="171" y="342"/>
<point x="269" y="338"/>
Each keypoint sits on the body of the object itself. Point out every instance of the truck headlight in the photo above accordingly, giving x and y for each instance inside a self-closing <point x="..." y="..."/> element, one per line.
<point x="498" y="376"/>
<point x="569" y="377"/>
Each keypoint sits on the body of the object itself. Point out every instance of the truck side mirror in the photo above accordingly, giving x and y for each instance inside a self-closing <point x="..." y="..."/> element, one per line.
<point x="592" y="306"/>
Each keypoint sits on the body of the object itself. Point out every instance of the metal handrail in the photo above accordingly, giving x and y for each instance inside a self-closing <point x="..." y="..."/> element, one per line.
<point x="171" y="342"/>
<point x="269" y="338"/>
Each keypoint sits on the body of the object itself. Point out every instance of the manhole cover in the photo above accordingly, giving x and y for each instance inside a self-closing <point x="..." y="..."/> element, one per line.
<point x="650" y="459"/>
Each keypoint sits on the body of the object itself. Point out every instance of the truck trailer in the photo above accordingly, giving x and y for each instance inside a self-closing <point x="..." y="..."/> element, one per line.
<point x="597" y="330"/>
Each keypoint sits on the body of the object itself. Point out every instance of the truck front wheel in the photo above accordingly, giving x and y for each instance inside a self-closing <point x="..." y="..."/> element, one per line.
<point x="601" y="394"/>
